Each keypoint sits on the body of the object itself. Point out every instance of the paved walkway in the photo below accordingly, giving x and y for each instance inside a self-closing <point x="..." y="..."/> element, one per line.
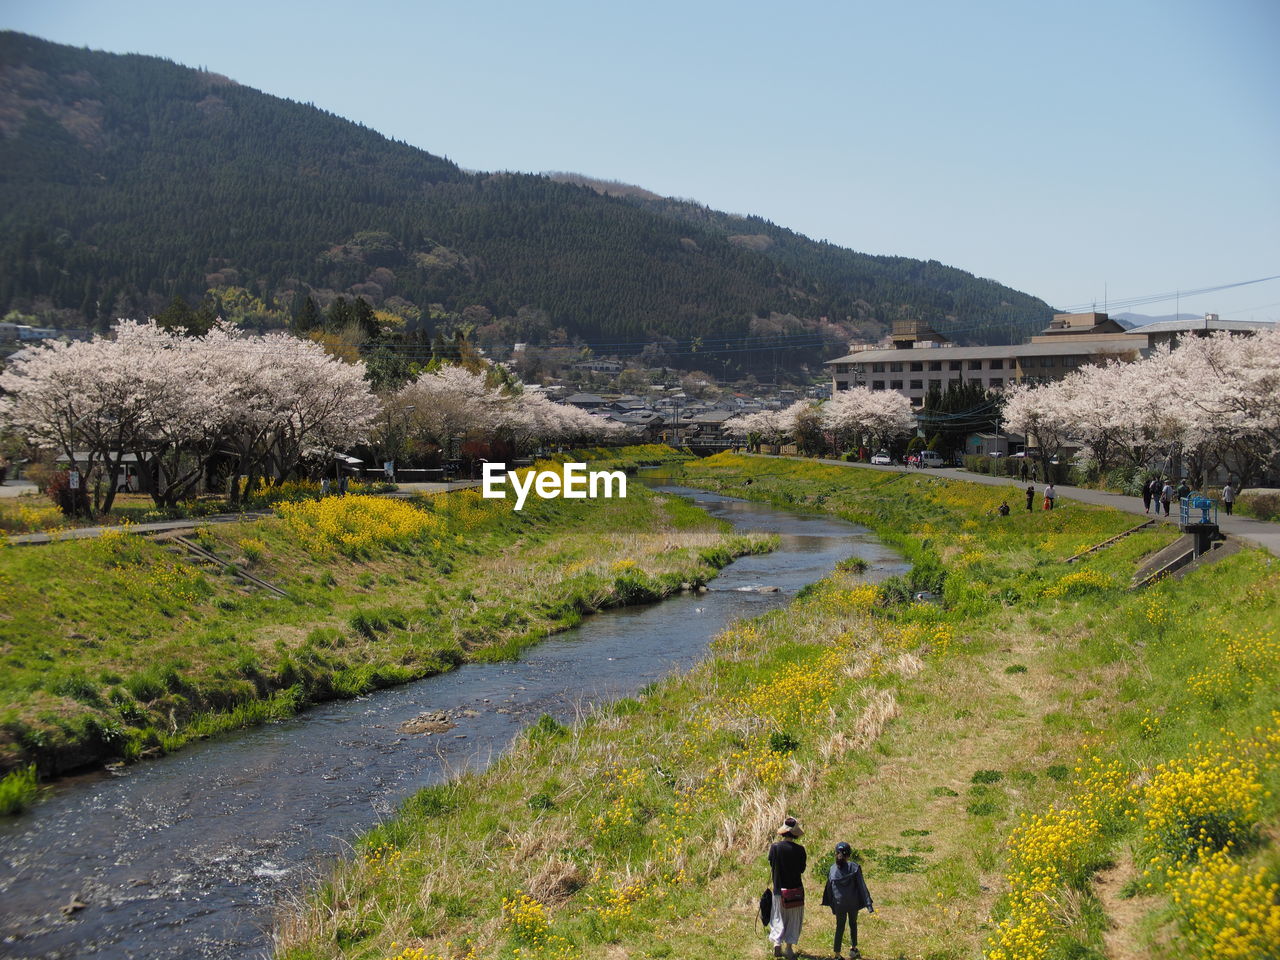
<point x="17" y="488"/>
<point x="1258" y="532"/>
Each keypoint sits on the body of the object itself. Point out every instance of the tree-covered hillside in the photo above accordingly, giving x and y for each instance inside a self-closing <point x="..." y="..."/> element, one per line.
<point x="127" y="180"/>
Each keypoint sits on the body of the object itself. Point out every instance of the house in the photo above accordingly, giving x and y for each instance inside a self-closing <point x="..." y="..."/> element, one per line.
<point x="599" y="366"/>
<point x="585" y="401"/>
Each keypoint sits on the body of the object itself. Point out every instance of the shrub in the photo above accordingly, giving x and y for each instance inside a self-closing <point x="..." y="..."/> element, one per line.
<point x="782" y="742"/>
<point x="17" y="790"/>
<point x="1263" y="506"/>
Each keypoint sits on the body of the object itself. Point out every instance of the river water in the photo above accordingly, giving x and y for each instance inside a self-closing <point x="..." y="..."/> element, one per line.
<point x="188" y="855"/>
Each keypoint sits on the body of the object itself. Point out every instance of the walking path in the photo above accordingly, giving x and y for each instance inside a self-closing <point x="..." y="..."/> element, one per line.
<point x="17" y="488"/>
<point x="167" y="526"/>
<point x="1258" y="532"/>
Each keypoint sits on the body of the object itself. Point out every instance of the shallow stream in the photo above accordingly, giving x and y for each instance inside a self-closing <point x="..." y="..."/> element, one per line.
<point x="187" y="856"/>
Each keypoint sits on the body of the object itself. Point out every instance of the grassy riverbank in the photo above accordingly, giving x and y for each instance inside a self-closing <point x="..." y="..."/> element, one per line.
<point x="124" y="646"/>
<point x="1038" y="693"/>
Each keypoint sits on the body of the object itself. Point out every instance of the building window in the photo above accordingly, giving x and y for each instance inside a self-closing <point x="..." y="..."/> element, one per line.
<point x="1048" y="361"/>
<point x="935" y="364"/>
<point x="953" y="365"/>
<point x="935" y="384"/>
<point x="997" y="364"/>
<point x="953" y="383"/>
<point x="877" y="384"/>
<point x="895" y="366"/>
<point x="895" y="384"/>
<point x="877" y="368"/>
<point x="996" y="383"/>
<point x="975" y="364"/>
<point x="917" y="384"/>
<point x="917" y="366"/>
<point x="842" y="368"/>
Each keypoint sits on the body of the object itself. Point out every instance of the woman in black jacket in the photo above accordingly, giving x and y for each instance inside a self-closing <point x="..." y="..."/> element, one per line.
<point x="787" y="861"/>
<point x="846" y="894"/>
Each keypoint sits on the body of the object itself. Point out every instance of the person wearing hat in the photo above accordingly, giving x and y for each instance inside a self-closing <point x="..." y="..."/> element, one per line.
<point x="787" y="861"/>
<point x="846" y="894"/>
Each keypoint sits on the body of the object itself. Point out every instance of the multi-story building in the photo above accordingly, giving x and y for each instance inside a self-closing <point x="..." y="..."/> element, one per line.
<point x="920" y="358"/>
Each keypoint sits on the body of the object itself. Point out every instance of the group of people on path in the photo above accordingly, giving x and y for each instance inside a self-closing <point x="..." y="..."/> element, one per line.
<point x="1159" y="492"/>
<point x="782" y="906"/>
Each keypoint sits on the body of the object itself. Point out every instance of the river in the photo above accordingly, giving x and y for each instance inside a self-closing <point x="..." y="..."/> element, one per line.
<point x="187" y="856"/>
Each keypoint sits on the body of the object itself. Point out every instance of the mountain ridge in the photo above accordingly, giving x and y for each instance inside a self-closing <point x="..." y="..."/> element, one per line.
<point x="126" y="180"/>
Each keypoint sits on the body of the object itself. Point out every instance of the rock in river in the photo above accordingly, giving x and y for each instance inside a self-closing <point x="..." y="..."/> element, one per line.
<point x="428" y="723"/>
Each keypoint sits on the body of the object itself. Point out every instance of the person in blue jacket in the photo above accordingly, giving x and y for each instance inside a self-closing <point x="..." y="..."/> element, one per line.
<point x="846" y="894"/>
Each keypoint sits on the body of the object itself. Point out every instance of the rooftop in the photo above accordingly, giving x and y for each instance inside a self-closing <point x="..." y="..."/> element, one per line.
<point x="1065" y="347"/>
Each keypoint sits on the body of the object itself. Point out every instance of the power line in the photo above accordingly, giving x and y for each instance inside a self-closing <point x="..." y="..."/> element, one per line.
<point x="1147" y="299"/>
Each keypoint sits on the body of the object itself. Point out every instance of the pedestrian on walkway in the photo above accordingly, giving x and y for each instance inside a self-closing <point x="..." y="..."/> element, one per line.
<point x="1050" y="495"/>
<point x="1147" y="495"/>
<point x="1031" y="495"/>
<point x="787" y="862"/>
<point x="1166" y="495"/>
<point x="846" y="894"/>
<point x="1228" y="497"/>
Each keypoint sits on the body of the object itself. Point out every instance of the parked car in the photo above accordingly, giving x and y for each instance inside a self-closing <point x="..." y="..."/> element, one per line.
<point x="931" y="458"/>
<point x="882" y="459"/>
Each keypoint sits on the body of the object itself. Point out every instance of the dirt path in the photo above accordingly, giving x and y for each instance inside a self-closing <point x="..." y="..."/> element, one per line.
<point x="1120" y="940"/>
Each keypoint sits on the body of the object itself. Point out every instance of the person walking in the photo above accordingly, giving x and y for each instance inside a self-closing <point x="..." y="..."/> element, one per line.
<point x="1228" y="497"/>
<point x="1166" y="496"/>
<point x="1031" y="495"/>
<point x="846" y="894"/>
<point x="787" y="862"/>
<point x="1050" y="495"/>
<point x="1147" y="495"/>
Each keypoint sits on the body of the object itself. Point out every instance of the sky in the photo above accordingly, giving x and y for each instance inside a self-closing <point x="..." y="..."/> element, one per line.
<point x="1085" y="152"/>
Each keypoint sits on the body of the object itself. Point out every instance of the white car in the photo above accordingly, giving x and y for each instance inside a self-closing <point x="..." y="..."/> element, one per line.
<point x="882" y="460"/>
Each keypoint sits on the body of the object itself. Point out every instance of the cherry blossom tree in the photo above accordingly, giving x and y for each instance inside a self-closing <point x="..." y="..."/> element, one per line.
<point x="448" y="403"/>
<point x="80" y="398"/>
<point x="174" y="401"/>
<point x="1229" y="389"/>
<point x="1040" y="412"/>
<point x="874" y="417"/>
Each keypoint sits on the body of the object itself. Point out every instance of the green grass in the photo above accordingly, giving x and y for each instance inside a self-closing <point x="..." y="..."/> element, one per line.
<point x="117" y="648"/>
<point x="891" y="725"/>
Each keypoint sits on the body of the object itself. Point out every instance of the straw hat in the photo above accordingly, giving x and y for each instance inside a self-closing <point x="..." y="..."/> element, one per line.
<point x="790" y="828"/>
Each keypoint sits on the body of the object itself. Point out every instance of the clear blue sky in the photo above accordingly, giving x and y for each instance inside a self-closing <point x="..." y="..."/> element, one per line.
<point x="1065" y="149"/>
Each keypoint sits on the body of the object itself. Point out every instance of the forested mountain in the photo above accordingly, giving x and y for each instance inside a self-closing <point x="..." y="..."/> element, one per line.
<point x="126" y="180"/>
